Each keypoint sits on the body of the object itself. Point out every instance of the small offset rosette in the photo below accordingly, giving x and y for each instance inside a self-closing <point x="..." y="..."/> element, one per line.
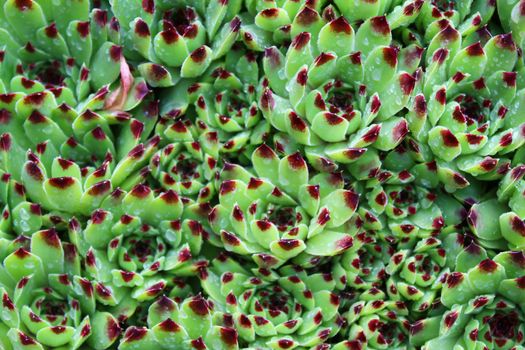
<point x="69" y="85"/>
<point x="465" y="13"/>
<point x="226" y="102"/>
<point x="484" y="307"/>
<point x="277" y="212"/>
<point x="179" y="40"/>
<point x="189" y="324"/>
<point x="416" y="274"/>
<point x="189" y="162"/>
<point x="362" y="267"/>
<point x="47" y="304"/>
<point x="468" y="111"/>
<point x="137" y="247"/>
<point x="374" y="323"/>
<point x="336" y="89"/>
<point x="284" y="309"/>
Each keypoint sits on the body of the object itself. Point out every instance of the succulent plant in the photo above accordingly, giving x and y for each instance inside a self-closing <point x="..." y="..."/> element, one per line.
<point x="335" y="90"/>
<point x="281" y="309"/>
<point x="485" y="308"/>
<point x="172" y="41"/>
<point x="377" y="324"/>
<point x="74" y="190"/>
<point x="189" y="324"/>
<point x="401" y="216"/>
<point x="275" y="174"/>
<point x="188" y="167"/>
<point x="275" y="212"/>
<point x="66" y="83"/>
<point x="46" y="303"/>
<point x="467" y="115"/>
<point x="456" y="12"/>
<point x="138" y="247"/>
<point x="415" y="273"/>
<point x="225" y="101"/>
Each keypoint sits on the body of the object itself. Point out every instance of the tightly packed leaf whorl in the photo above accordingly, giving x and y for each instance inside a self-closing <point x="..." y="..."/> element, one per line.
<point x="262" y="174"/>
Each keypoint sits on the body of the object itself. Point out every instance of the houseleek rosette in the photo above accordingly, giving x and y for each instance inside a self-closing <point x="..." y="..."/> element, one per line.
<point x="189" y="324"/>
<point x="401" y="217"/>
<point x="457" y="12"/>
<point x="470" y="122"/>
<point x="137" y="247"/>
<point x="396" y="265"/>
<point x="187" y="167"/>
<point x="226" y="101"/>
<point x="362" y="267"/>
<point x="415" y="219"/>
<point x="288" y="308"/>
<point x="46" y="303"/>
<point x="134" y="146"/>
<point x="335" y="90"/>
<point x="277" y="212"/>
<point x="62" y="186"/>
<point x="174" y="41"/>
<point x="130" y="234"/>
<point x="189" y="160"/>
<point x="65" y="82"/>
<point x="374" y="323"/>
<point x="415" y="274"/>
<point x="485" y="308"/>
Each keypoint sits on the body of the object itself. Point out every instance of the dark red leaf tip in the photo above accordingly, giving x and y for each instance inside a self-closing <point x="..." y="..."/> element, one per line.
<point x="390" y="56"/>
<point x="301" y="40"/>
<point x="341" y="25"/>
<point x="62" y="182"/>
<point x="83" y="29"/>
<point x="199" y="55"/>
<point x="307" y="16"/>
<point x="475" y="49"/>
<point x="380" y="25"/>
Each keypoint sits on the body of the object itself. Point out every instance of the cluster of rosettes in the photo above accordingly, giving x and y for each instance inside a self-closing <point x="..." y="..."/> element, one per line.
<point x="262" y="174"/>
